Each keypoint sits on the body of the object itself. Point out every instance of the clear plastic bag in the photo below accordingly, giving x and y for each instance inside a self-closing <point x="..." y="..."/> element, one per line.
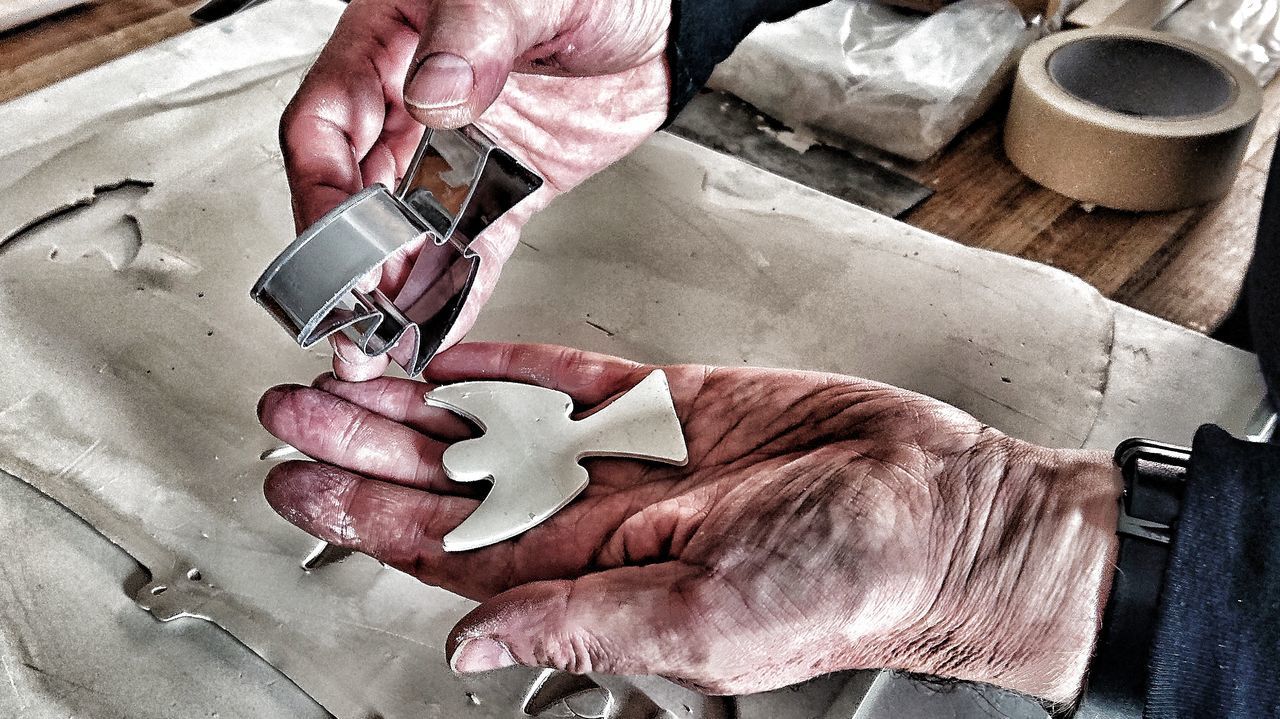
<point x="1246" y="30"/>
<point x="898" y="81"/>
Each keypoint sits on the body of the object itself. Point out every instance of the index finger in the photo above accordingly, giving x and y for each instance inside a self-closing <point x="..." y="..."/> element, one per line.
<point x="350" y="97"/>
<point x="590" y="378"/>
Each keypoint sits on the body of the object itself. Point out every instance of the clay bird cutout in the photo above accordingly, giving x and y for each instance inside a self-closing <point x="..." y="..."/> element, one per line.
<point x="531" y="447"/>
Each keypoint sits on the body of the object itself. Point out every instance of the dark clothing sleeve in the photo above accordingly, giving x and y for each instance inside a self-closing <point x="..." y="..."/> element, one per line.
<point x="1262" y="284"/>
<point x="704" y="32"/>
<point x="1217" y="646"/>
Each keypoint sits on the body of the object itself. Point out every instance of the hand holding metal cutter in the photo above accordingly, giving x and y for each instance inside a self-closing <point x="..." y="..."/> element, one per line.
<point x="458" y="183"/>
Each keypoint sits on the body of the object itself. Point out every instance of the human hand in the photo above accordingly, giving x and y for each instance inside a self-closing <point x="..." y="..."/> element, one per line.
<point x="822" y="523"/>
<point x="590" y="83"/>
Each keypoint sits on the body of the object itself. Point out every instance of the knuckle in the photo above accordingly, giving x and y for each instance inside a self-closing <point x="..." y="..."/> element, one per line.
<point x="578" y="652"/>
<point x="349" y="428"/>
<point x="281" y="475"/>
<point x="288" y="120"/>
<point x="386" y="397"/>
<point x="347" y="493"/>
<point x="425" y="518"/>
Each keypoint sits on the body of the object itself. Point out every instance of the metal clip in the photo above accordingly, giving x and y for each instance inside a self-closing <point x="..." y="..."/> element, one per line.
<point x="458" y="183"/>
<point x="1127" y="456"/>
<point x="1131" y="526"/>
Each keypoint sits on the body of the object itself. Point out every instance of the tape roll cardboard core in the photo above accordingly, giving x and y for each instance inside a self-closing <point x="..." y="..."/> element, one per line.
<point x="1134" y="76"/>
<point x="1130" y="119"/>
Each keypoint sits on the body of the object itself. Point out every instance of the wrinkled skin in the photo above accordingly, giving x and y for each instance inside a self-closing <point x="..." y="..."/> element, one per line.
<point x="822" y="523"/>
<point x="392" y="65"/>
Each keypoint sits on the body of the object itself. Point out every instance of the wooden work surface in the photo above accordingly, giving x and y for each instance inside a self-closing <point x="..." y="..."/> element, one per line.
<point x="1184" y="266"/>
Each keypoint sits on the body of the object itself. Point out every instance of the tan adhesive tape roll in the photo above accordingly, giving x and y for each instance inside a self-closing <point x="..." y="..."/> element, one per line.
<point x="1130" y="119"/>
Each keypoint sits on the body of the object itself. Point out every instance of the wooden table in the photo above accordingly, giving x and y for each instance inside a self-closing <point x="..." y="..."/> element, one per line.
<point x="1184" y="266"/>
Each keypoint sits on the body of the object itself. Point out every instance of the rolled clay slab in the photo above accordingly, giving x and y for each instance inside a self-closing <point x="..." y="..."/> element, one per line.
<point x="1130" y="119"/>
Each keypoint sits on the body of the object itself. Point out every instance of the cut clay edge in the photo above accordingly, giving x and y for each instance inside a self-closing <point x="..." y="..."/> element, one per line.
<point x="680" y="459"/>
<point x="671" y="417"/>
<point x="434" y="399"/>
<point x="452" y="543"/>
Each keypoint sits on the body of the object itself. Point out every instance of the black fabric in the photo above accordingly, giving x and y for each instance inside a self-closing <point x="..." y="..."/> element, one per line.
<point x="1253" y="324"/>
<point x="1217" y="650"/>
<point x="1117" y="677"/>
<point x="1217" y="646"/>
<point x="704" y="32"/>
<point x="1262" y="284"/>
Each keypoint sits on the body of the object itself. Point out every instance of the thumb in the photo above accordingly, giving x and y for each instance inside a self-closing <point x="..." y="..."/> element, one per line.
<point x="467" y="50"/>
<point x="620" y="621"/>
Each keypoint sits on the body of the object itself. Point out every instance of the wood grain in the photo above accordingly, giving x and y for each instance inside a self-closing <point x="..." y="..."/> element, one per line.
<point x="41" y="53"/>
<point x="1183" y="266"/>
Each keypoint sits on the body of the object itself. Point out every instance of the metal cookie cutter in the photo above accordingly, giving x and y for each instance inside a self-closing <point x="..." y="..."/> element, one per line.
<point x="458" y="183"/>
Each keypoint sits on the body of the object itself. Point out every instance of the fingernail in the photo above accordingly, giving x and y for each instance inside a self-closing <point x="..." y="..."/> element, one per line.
<point x="481" y="654"/>
<point x="337" y="350"/>
<point x="441" y="80"/>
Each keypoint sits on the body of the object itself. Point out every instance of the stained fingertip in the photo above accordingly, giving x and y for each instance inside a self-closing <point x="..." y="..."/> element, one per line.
<point x="279" y="486"/>
<point x="309" y="495"/>
<point x="271" y="400"/>
<point x="287" y="409"/>
<point x="397" y="525"/>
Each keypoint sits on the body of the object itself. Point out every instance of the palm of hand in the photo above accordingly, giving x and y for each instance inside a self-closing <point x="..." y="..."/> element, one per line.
<point x="804" y="495"/>
<point x="805" y="525"/>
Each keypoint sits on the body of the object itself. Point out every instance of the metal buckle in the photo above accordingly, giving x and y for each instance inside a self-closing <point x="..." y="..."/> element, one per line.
<point x="1127" y="456"/>
<point x="458" y="183"/>
<point x="1262" y="426"/>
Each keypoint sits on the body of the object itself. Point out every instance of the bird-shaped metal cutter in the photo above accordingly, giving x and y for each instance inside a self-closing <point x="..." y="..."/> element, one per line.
<point x="531" y="448"/>
<point x="458" y="184"/>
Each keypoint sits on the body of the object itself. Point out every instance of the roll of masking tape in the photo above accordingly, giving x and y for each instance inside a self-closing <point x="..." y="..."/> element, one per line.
<point x="1130" y="119"/>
